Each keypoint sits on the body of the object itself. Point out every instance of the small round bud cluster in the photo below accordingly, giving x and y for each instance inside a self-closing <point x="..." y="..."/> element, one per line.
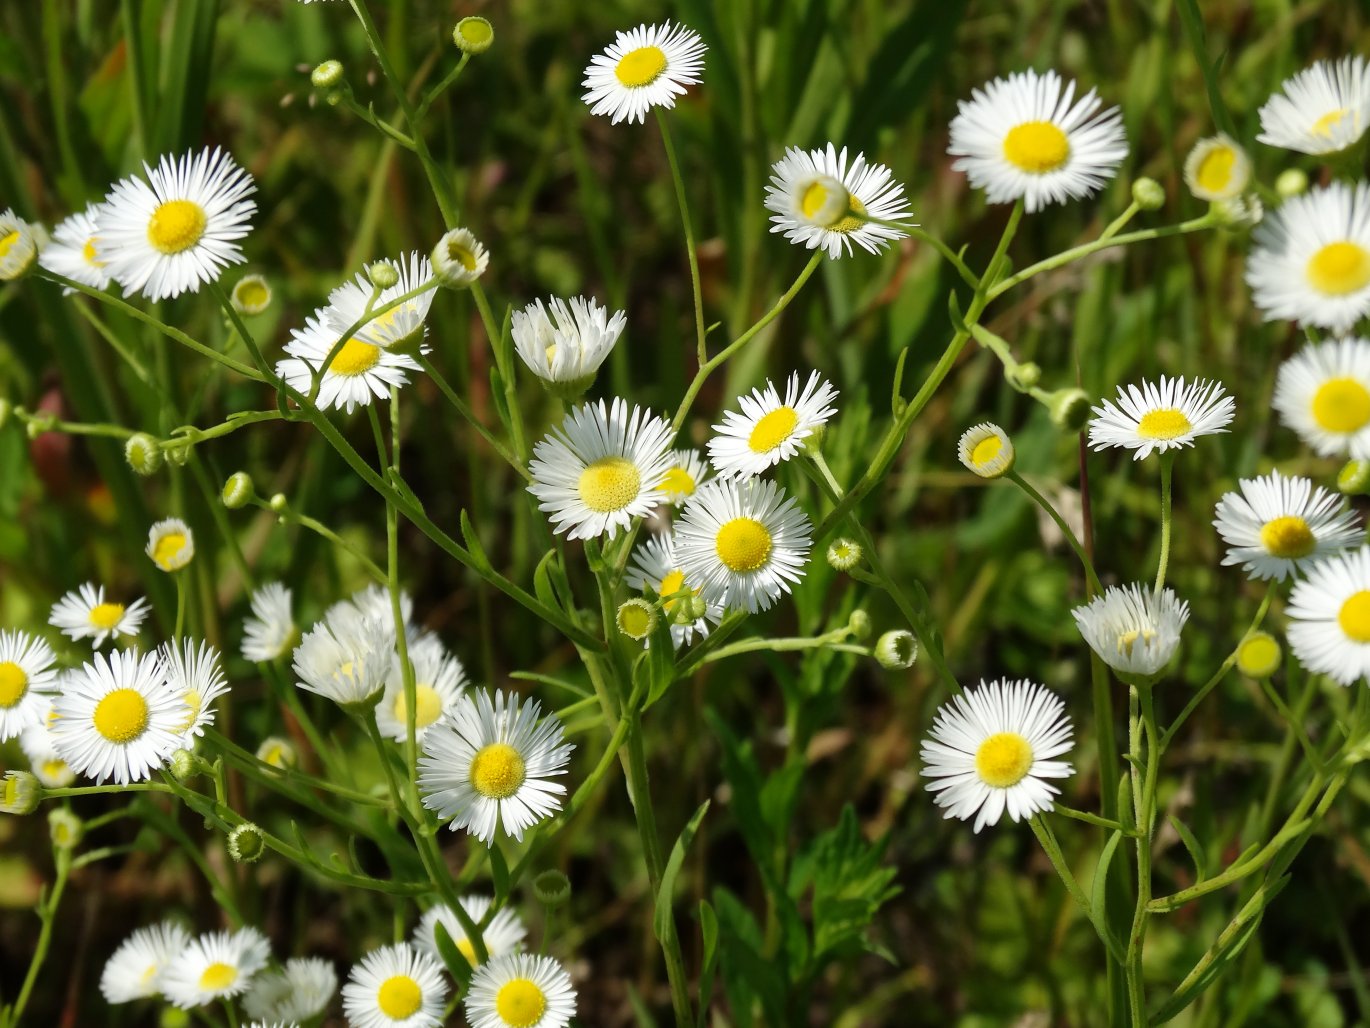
<point x="143" y="453"/>
<point x="278" y="752"/>
<point x="185" y="765"/>
<point x="859" y="624"/>
<point x="329" y="73"/>
<point x="473" y="35"/>
<point x="246" y="844"/>
<point x="896" y="650"/>
<point x="636" y="618"/>
<point x="20" y="793"/>
<point x="687" y="610"/>
<point x="251" y="295"/>
<point x="844" y="554"/>
<point x="238" y="490"/>
<point x="1148" y="194"/>
<point x="1354" y="477"/>
<point x="279" y="503"/>
<point x="383" y="274"/>
<point x="66" y="829"/>
<point x="552" y="888"/>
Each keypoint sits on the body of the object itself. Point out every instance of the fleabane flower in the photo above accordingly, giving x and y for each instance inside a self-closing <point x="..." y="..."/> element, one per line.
<point x="646" y="67"/>
<point x="395" y="987"/>
<point x="1323" y="394"/>
<point x="459" y="258"/>
<point x="688" y="471"/>
<point x="177" y="227"/>
<point x="767" y="429"/>
<point x="1134" y="629"/>
<point x="1217" y="169"/>
<point x="27" y="679"/>
<point x="298" y="992"/>
<point x="438" y="682"/>
<point x="1157" y="418"/>
<point x="214" y="966"/>
<point x="363" y="370"/>
<point x="1025" y="138"/>
<point x="1277" y="526"/>
<point x="504" y="934"/>
<point x="84" y="613"/>
<point x="819" y="200"/>
<point x="20" y="244"/>
<point x="401" y="327"/>
<point x="1329" y="617"/>
<point x="194" y="673"/>
<point x="269" y="632"/>
<point x="135" y="969"/>
<point x="1321" y="110"/>
<point x="1310" y="260"/>
<point x="491" y="764"/>
<point x="656" y="566"/>
<point x="990" y="750"/>
<point x="170" y="544"/>
<point x="520" y="990"/>
<point x="985" y="450"/>
<point x="600" y="469"/>
<point x="345" y="663"/>
<point x="564" y="342"/>
<point x="71" y="253"/>
<point x="742" y="544"/>
<point x="37" y="742"/>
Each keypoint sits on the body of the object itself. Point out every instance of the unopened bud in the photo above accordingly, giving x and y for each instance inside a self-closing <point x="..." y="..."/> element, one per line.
<point x="1291" y="182"/>
<point x="238" y="490"/>
<point x="1354" y="477"/>
<point x="5" y="408"/>
<point x="179" y="453"/>
<point x="66" y="829"/>
<point x="636" y="618"/>
<point x="473" y="35"/>
<point x="859" y="624"/>
<point x="279" y="503"/>
<point x="20" y="793"/>
<point x="143" y="454"/>
<point x="251" y="295"/>
<point x="1023" y="376"/>
<point x="1259" y="655"/>
<point x="812" y="444"/>
<point x="329" y="73"/>
<point x="246" y="844"/>
<point x="383" y="274"/>
<point x="896" y="650"/>
<point x="1069" y="409"/>
<point x="844" y="554"/>
<point x="552" y="888"/>
<point x="1148" y="194"/>
<point x="185" y="765"/>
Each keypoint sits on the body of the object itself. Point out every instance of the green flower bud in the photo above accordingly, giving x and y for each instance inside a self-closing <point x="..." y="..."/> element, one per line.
<point x="279" y="503"/>
<point x="238" y="490"/>
<point x="1148" y="194"/>
<point x="173" y="1017"/>
<point x="329" y="73"/>
<point x="473" y="35"/>
<point x="383" y="274"/>
<point x="1069" y="409"/>
<point x="1354" y="477"/>
<point x="552" y="889"/>
<point x="143" y="453"/>
<point x="812" y="444"/>
<point x="859" y="624"/>
<point x="1291" y="182"/>
<point x="179" y="453"/>
<point x="896" y="650"/>
<point x="5" y="408"/>
<point x="1259" y="655"/>
<point x="844" y="554"/>
<point x="246" y="844"/>
<point x="66" y="829"/>
<point x="636" y="618"/>
<point x="21" y="793"/>
<point x="251" y="295"/>
<point x="1023" y="376"/>
<point x="185" y="765"/>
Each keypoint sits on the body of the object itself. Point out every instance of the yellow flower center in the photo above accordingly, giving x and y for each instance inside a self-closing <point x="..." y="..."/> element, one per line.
<point x="467" y="950"/>
<point x="815" y="196"/>
<point x="986" y="450"/>
<point x="121" y="716"/>
<point x="678" y="482"/>
<point x="1128" y="640"/>
<point x="252" y="294"/>
<point x="854" y="219"/>
<point x="399" y="997"/>
<point x="462" y="255"/>
<point x="274" y="755"/>
<point x="743" y="544"/>
<point x="1354" y="617"/>
<point x="1259" y="656"/>
<point x="1339" y="268"/>
<point x="427" y="706"/>
<point x="13" y="684"/>
<point x="1341" y="405"/>
<point x="1036" y="147"/>
<point x="476" y="31"/>
<point x="497" y="771"/>
<point x="635" y="619"/>
<point x="1215" y="170"/>
<point x="1287" y="536"/>
<point x="355" y="358"/>
<point x="218" y="976"/>
<point x="7" y="242"/>
<point x="670" y="585"/>
<point x="193" y="702"/>
<point x="1003" y="759"/>
<point x="641" y="67"/>
<point x="1324" y="125"/>
<point x="610" y="483"/>
<point x="520" y="1003"/>
<point x="1166" y="423"/>
<point x="88" y="254"/>
<point x="106" y="615"/>
<point x="167" y="549"/>
<point x="176" y="225"/>
<point x="773" y="429"/>
<point x="54" y="769"/>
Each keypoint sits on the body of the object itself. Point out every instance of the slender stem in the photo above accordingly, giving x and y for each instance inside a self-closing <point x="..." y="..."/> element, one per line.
<point x="830" y="641"/>
<point x="441" y="87"/>
<point x="1052" y="848"/>
<point x="180" y="606"/>
<point x="47" y="913"/>
<point x="1167" y="466"/>
<point x="464" y="409"/>
<point x="1066" y="530"/>
<point x="691" y="250"/>
<point x="1120" y="222"/>
<point x="951" y="256"/>
<point x="504" y="362"/>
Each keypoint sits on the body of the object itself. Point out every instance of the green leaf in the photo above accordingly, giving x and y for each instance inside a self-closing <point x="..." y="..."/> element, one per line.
<point x="666" y="890"/>
<point x="499" y="873"/>
<point x="457" y="964"/>
<point x="1098" y="899"/>
<point x="1192" y="844"/>
<point x="542" y="581"/>
<point x="708" y="928"/>
<point x="468" y="534"/>
<point x="659" y="664"/>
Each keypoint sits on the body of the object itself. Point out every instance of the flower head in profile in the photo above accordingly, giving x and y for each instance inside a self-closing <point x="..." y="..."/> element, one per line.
<point x="362" y="371"/>
<point x="345" y="661"/>
<point x="985" y="450"/>
<point x="85" y="614"/>
<point x="439" y="680"/>
<point x="171" y="544"/>
<point x="563" y="342"/>
<point x="71" y="253"/>
<point x="520" y="990"/>
<point x="298" y="992"/>
<point x="1157" y="418"/>
<point x="395" y="987"/>
<point x="20" y="244"/>
<point x="214" y="966"/>
<point x="656" y="566"/>
<point x="1134" y="630"/>
<point x="270" y="631"/>
<point x="1217" y="169"/>
<point x="27" y="679"/>
<point x="1329" y="617"/>
<point x="135" y="969"/>
<point x="194" y="672"/>
<point x="504" y="934"/>
<point x="819" y="200"/>
<point x="769" y="429"/>
<point x="646" y="67"/>
<point x="1323" y="394"/>
<point x="402" y="327"/>
<point x="459" y="258"/>
<point x="1277" y="526"/>
<point x="1323" y="109"/>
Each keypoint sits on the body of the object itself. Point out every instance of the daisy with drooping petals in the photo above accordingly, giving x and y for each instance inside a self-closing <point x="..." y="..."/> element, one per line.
<point x="395" y="987"/>
<point x="656" y="567"/>
<point x="490" y="763"/>
<point x="1025" y="137"/>
<point x="769" y="430"/>
<point x="600" y="469"/>
<point x="400" y="327"/>
<point x="1161" y="418"/>
<point x="170" y="544"/>
<point x="1217" y="169"/>
<point x="1310" y="261"/>
<point x="179" y="228"/>
<point x="27" y="677"/>
<point x="362" y="370"/>
<point x="459" y="258"/>
<point x="37" y="743"/>
<point x="520" y="990"/>
<point x="135" y="969"/>
<point x="1277" y="526"/>
<point x="71" y="253"/>
<point x="347" y="664"/>
<point x="214" y="966"/>
<point x="991" y="748"/>
<point x="438" y="682"/>
<point x="742" y="544"/>
<point x="502" y="935"/>
<point x="116" y="718"/>
<point x="84" y="614"/>
<point x="194" y="673"/>
<point x="1134" y="629"/>
<point x="1323" y="394"/>
<point x="1329" y="617"/>
<point x="1323" y="109"/>
<point x="565" y="342"/>
<point x="820" y="200"/>
<point x="986" y="450"/>
<point x="684" y="476"/>
<point x="20" y="243"/>
<point x="269" y="632"/>
<point x="296" y="993"/>
<point x="646" y="67"/>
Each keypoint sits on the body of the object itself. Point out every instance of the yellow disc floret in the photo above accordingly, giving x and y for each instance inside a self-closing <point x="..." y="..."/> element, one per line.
<point x="176" y="225"/>
<point x="1324" y="125"/>
<point x="167" y="549"/>
<point x="7" y="242"/>
<point x="678" y="482"/>
<point x="1003" y="759"/>
<point x="1036" y="147"/>
<point x="609" y="484"/>
<point x="1165" y="423"/>
<point x="399" y="997"/>
<point x="1215" y="170"/>
<point x="1339" y="268"/>
<point x="218" y="976"/>
<point x="641" y="67"/>
<point x="14" y="683"/>
<point x="520" y="1003"/>
<point x="355" y="358"/>
<point x="1288" y="536"/>
<point x="743" y="544"/>
<point x="427" y="706"/>
<point x="497" y="771"/>
<point x="986" y="450"/>
<point x="773" y="429"/>
<point x="106" y="615"/>
<point x="121" y="716"/>
<point x="1354" y="617"/>
<point x="1341" y="405"/>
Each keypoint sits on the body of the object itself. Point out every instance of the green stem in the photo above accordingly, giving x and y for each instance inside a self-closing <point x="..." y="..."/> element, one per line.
<point x="504" y="362"/>
<point x="47" y="913"/>
<point x="180" y="606"/>
<point x="691" y="250"/>
<point x="464" y="409"/>
<point x="1167" y="465"/>
<point x="422" y="109"/>
<point x="1066" y="530"/>
<point x="1042" y="829"/>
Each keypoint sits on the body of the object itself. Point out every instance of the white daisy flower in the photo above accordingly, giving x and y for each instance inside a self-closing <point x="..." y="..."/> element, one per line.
<point x="742" y="544"/>
<point x="362" y="370"/>
<point x="401" y="326"/>
<point x="520" y="990"/>
<point x="986" y="450"/>
<point x="565" y="342"/>
<point x="769" y="430"/>
<point x="1133" y="629"/>
<point x="990" y="749"/>
<point x="395" y="987"/>
<point x="38" y="745"/>
<point x="819" y="200"/>
<point x="135" y="969"/>
<point x="646" y="67"/>
<point x="504" y="934"/>
<point x="347" y="665"/>
<point x="170" y="544"/>
<point x="116" y="718"/>
<point x="600" y="469"/>
<point x="214" y="966"/>
<point x="439" y="680"/>
<point x="1323" y="394"/>
<point x="656" y="567"/>
<point x="71" y="253"/>
<point x="490" y="763"/>
<point x="1329" y="617"/>
<point x="20" y="244"/>
<point x="269" y="632"/>
<point x="684" y="476"/>
<point x="1024" y="137"/>
<point x="459" y="258"/>
<point x="27" y="676"/>
<point x="1323" y="109"/>
<point x="299" y="992"/>
<point x="1217" y="169"/>
<point x="1161" y="418"/>
<point x="178" y="229"/>
<point x="1277" y="526"/>
<point x="84" y="614"/>
<point x="1310" y="262"/>
<point x="195" y="674"/>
